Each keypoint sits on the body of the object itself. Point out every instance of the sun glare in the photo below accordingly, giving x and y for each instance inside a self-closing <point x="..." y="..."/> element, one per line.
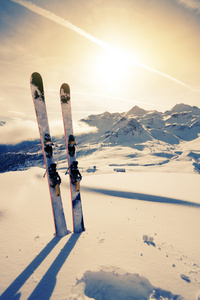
<point x="112" y="67"/>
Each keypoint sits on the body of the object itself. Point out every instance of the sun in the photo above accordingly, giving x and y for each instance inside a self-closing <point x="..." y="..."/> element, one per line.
<point x="112" y="67"/>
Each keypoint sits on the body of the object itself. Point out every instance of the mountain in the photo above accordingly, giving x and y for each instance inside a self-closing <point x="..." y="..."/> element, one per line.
<point x="136" y="129"/>
<point x="21" y="156"/>
<point x="137" y="125"/>
<point x="136" y="111"/>
<point x="127" y="130"/>
<point x="186" y="108"/>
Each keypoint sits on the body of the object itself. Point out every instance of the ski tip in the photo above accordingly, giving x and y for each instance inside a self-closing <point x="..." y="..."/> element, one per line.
<point x="64" y="93"/>
<point x="65" y="87"/>
<point x="35" y="76"/>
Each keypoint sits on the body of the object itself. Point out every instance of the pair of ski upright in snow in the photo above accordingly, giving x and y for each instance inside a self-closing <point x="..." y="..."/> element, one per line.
<point x="53" y="177"/>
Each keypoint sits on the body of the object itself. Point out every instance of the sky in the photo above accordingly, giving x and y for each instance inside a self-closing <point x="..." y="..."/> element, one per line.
<point x="114" y="55"/>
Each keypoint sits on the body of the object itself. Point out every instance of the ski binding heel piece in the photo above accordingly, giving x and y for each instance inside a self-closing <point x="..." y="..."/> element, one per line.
<point x="55" y="179"/>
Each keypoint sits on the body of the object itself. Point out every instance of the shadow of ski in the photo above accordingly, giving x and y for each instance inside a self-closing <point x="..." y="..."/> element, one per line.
<point x="47" y="284"/>
<point x="139" y="196"/>
<point x="11" y="292"/>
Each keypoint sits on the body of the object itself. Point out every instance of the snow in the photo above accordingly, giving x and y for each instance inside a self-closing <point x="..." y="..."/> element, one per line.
<point x="137" y="125"/>
<point x="185" y="107"/>
<point x="141" y="239"/>
<point x="140" y="197"/>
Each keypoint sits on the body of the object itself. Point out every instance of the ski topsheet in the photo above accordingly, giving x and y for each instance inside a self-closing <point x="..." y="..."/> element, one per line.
<point x="47" y="147"/>
<point x="74" y="174"/>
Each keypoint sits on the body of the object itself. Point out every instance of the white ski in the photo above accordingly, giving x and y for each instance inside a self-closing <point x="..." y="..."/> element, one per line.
<point x="53" y="177"/>
<point x="74" y="174"/>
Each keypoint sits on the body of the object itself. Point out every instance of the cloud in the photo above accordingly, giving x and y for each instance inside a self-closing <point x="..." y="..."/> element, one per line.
<point x="191" y="4"/>
<point x="56" y="128"/>
<point x="119" y="55"/>
<point x="16" y="131"/>
<point x="83" y="128"/>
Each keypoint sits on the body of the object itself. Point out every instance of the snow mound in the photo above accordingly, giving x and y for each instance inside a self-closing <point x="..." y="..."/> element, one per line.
<point x="114" y="283"/>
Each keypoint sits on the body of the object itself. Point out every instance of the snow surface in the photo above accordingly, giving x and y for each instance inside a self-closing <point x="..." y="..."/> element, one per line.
<point x="141" y="239"/>
<point x="140" y="196"/>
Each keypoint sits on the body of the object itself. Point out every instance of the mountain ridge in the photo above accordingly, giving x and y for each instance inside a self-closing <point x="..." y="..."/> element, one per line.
<point x="181" y="123"/>
<point x="149" y="132"/>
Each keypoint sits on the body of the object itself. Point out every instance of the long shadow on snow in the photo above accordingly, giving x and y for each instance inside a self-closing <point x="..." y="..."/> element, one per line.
<point x="139" y="196"/>
<point x="10" y="292"/>
<point x="46" y="286"/>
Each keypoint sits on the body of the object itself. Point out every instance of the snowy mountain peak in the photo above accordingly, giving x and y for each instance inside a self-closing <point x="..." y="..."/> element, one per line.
<point x="136" y="111"/>
<point x="124" y="129"/>
<point x="105" y="115"/>
<point x="186" y="108"/>
<point x="128" y="124"/>
<point x="127" y="131"/>
<point x="139" y="125"/>
<point x="134" y="125"/>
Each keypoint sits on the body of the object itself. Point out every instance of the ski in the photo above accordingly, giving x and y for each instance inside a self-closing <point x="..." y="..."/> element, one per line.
<point x="74" y="174"/>
<point x="53" y="177"/>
